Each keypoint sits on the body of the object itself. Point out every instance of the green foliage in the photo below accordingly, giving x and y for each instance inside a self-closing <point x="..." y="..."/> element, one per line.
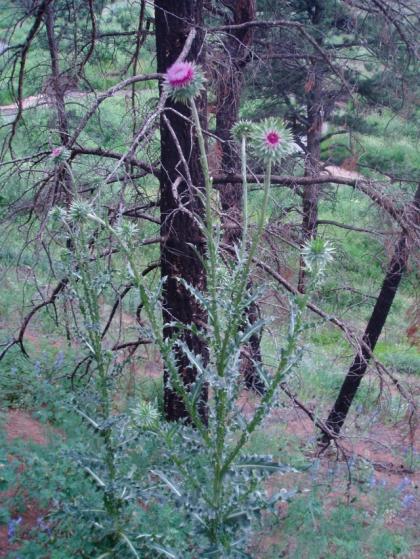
<point x="317" y="528"/>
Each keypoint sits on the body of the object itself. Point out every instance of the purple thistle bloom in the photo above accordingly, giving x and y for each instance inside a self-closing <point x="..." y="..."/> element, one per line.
<point x="180" y="74"/>
<point x="11" y="527"/>
<point x="44" y="526"/>
<point x="59" y="360"/>
<point x="403" y="484"/>
<point x="56" y="152"/>
<point x="408" y="500"/>
<point x="372" y="481"/>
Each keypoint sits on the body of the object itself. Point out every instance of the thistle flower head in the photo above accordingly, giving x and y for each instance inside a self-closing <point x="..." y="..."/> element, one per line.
<point x="79" y="211"/>
<point x="59" y="153"/>
<point x="272" y="141"/>
<point x="127" y="230"/>
<point x="183" y="81"/>
<point x="58" y="214"/>
<point x="145" y="415"/>
<point x="316" y="254"/>
<point x="242" y="129"/>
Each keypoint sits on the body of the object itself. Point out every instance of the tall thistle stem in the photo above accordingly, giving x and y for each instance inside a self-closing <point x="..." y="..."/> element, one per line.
<point x="244" y="195"/>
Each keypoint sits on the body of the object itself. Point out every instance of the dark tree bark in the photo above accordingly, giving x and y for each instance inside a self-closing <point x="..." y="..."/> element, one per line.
<point x="314" y="108"/>
<point x="56" y="88"/>
<point x="233" y="59"/>
<point x="184" y="241"/>
<point x="380" y="312"/>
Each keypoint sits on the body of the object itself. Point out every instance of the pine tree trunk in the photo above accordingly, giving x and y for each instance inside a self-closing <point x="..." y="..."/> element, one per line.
<point x="373" y="330"/>
<point x="312" y="163"/>
<point x="315" y="112"/>
<point x="184" y="241"/>
<point x="234" y="58"/>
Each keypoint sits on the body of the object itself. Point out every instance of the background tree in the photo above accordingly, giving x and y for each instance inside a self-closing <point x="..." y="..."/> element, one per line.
<point x="181" y="181"/>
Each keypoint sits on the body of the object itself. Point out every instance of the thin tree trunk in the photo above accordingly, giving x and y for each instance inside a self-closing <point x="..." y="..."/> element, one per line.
<point x="184" y="241"/>
<point x="312" y="165"/>
<point x="57" y="89"/>
<point x="374" y="328"/>
<point x="234" y="57"/>
<point x="314" y="104"/>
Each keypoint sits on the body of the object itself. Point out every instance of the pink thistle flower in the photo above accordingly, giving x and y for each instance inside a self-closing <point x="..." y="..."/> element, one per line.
<point x="272" y="139"/>
<point x="183" y="81"/>
<point x="180" y="74"/>
<point x="56" y="152"/>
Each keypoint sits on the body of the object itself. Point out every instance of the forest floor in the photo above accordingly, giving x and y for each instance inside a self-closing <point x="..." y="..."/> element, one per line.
<point x="382" y="447"/>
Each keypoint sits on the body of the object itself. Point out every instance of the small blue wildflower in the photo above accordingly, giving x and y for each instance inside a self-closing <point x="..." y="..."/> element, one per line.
<point x="45" y="527"/>
<point x="37" y="367"/>
<point x="408" y="500"/>
<point x="403" y="484"/>
<point x="59" y="360"/>
<point x="11" y="527"/>
<point x="372" y="481"/>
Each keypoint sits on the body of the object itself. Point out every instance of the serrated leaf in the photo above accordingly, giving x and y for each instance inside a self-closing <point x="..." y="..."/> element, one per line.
<point x="253" y="329"/>
<point x="89" y="420"/>
<point x="95" y="477"/>
<point x="172" y="486"/>
<point x="195" y="360"/>
<point x="198" y="295"/>
<point x="129" y="545"/>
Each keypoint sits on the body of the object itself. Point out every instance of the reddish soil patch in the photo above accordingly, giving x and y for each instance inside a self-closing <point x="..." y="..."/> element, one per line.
<point x="20" y="425"/>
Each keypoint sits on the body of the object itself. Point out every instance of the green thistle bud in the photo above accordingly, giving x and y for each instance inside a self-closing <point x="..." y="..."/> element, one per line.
<point x="127" y="230"/>
<point x="79" y="211"/>
<point x="145" y="415"/>
<point x="58" y="214"/>
<point x="243" y="129"/>
<point x="316" y="254"/>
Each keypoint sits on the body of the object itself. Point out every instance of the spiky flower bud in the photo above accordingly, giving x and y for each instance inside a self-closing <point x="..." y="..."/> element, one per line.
<point x="184" y="81"/>
<point x="79" y="211"/>
<point x="127" y="230"/>
<point x="316" y="254"/>
<point x="272" y="141"/>
<point x="243" y="129"/>
<point x="58" y="214"/>
<point x="145" y="415"/>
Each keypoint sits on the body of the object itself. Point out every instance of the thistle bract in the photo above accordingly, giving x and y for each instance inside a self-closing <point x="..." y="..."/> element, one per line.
<point x="272" y="141"/>
<point x="183" y="81"/>
<point x="316" y="254"/>
<point x="127" y="230"/>
<point x="243" y="129"/>
<point x="79" y="211"/>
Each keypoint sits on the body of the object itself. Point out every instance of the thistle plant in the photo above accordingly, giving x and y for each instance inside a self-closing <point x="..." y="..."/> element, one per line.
<point x="204" y="467"/>
<point x="106" y="458"/>
<point x="208" y="471"/>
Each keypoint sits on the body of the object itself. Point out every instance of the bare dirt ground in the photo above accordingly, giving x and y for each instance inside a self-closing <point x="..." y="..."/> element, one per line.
<point x="20" y="425"/>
